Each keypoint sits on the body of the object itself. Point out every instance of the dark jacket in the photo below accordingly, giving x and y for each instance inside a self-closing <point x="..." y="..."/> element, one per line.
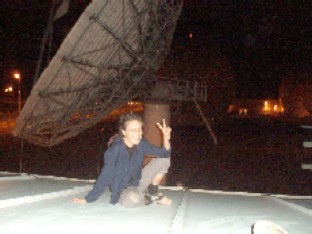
<point x="119" y="167"/>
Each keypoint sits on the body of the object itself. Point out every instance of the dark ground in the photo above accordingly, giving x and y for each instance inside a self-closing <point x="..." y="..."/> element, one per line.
<point x="256" y="155"/>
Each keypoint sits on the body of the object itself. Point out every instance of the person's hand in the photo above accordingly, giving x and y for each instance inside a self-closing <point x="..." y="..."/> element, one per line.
<point x="79" y="201"/>
<point x="166" y="131"/>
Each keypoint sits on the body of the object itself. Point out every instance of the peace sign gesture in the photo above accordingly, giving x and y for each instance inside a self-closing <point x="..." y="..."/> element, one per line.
<point x="166" y="131"/>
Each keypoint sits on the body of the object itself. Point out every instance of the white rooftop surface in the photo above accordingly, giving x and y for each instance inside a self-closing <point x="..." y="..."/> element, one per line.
<point x="40" y="204"/>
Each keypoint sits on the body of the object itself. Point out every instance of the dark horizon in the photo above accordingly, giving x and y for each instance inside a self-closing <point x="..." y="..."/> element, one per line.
<point x="261" y="42"/>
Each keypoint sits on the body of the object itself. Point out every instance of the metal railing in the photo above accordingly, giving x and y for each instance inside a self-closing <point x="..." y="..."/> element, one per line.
<point x="181" y="90"/>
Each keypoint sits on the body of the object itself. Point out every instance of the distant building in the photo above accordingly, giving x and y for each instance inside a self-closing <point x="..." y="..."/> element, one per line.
<point x="294" y="101"/>
<point x="256" y="107"/>
<point x="296" y="97"/>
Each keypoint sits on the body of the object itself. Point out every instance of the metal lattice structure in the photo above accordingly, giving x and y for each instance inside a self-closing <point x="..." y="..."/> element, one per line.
<point x="108" y="57"/>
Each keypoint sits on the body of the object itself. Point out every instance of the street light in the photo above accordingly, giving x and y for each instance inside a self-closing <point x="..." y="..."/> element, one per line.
<point x="17" y="76"/>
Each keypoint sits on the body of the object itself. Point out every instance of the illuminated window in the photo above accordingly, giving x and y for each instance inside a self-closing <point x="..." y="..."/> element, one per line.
<point x="266" y="106"/>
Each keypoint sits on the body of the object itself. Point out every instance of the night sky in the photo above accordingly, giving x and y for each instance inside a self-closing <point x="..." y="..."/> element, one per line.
<point x="262" y="42"/>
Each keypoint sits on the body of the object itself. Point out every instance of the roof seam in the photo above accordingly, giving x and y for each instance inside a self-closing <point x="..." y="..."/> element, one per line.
<point x="293" y="206"/>
<point x="178" y="219"/>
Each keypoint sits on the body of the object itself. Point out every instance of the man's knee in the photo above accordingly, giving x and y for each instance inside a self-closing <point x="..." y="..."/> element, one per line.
<point x="165" y="164"/>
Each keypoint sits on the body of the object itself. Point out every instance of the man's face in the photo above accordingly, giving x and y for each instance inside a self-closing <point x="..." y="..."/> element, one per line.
<point x="133" y="133"/>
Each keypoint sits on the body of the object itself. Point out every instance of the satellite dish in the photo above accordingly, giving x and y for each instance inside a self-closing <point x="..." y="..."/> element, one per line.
<point x="108" y="57"/>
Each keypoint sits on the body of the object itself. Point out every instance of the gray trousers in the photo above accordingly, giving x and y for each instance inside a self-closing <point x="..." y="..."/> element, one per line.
<point x="134" y="196"/>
